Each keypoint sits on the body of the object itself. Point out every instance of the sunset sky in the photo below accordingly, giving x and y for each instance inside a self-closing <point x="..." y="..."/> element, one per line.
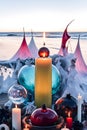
<point x="43" y="15"/>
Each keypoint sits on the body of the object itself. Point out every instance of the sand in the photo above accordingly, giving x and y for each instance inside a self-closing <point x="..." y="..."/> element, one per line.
<point x="10" y="45"/>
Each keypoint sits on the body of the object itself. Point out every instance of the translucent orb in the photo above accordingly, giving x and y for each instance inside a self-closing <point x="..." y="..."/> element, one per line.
<point x="65" y="105"/>
<point x="17" y="94"/>
<point x="26" y="77"/>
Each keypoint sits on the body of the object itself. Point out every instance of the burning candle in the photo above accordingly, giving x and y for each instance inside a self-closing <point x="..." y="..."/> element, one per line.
<point x="69" y="121"/>
<point x="79" y="108"/>
<point x="16" y="118"/>
<point x="43" y="78"/>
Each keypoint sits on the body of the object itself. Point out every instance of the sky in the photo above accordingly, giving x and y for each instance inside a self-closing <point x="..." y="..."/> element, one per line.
<point x="43" y="15"/>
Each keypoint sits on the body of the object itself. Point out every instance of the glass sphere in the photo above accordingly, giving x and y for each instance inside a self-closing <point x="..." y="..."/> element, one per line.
<point x="44" y="117"/>
<point x="66" y="105"/>
<point x="17" y="94"/>
<point x="56" y="79"/>
<point x="43" y="52"/>
<point x="26" y="77"/>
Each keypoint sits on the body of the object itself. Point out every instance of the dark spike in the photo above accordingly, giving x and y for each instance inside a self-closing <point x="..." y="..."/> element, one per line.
<point x="44" y="106"/>
<point x="68" y="96"/>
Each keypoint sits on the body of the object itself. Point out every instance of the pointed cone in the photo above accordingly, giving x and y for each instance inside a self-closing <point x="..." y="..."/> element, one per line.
<point x="80" y="64"/>
<point x="33" y="48"/>
<point x="23" y="52"/>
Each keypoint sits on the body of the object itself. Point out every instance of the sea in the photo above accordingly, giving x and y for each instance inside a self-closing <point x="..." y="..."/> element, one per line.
<point x="10" y="42"/>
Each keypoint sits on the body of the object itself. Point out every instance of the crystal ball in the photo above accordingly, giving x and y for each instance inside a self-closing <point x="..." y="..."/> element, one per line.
<point x="56" y="79"/>
<point x="17" y="94"/>
<point x="26" y="77"/>
<point x="65" y="106"/>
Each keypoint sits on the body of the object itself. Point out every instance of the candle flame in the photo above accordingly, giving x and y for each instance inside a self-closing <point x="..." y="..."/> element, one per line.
<point x="44" y="55"/>
<point x="15" y="105"/>
<point x="68" y="114"/>
<point x="79" y="96"/>
<point x="65" y="126"/>
<point x="26" y="126"/>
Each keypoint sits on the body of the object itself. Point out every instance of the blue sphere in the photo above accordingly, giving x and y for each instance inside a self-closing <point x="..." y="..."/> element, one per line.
<point x="26" y="77"/>
<point x="55" y="79"/>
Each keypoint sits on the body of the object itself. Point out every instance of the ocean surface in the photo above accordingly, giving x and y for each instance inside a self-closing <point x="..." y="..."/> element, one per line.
<point x="11" y="41"/>
<point x="74" y="35"/>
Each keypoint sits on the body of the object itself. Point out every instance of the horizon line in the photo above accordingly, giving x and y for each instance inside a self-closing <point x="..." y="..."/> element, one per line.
<point x="36" y="31"/>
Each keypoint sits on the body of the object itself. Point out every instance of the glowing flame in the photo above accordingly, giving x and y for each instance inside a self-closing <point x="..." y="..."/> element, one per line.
<point x="26" y="126"/>
<point x="68" y="114"/>
<point x="15" y="105"/>
<point x="79" y="97"/>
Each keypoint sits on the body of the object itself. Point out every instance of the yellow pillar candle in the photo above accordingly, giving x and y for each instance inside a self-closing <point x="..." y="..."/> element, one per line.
<point x="16" y="118"/>
<point x="43" y="81"/>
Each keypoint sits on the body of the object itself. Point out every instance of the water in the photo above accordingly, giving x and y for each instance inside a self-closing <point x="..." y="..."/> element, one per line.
<point x="11" y="41"/>
<point x="74" y="35"/>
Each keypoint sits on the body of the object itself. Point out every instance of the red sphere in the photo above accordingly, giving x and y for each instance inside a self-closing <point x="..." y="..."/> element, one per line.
<point x="43" y="52"/>
<point x="44" y="117"/>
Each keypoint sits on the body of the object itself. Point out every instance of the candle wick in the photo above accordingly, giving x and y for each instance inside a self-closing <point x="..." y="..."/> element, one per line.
<point x="44" y="44"/>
